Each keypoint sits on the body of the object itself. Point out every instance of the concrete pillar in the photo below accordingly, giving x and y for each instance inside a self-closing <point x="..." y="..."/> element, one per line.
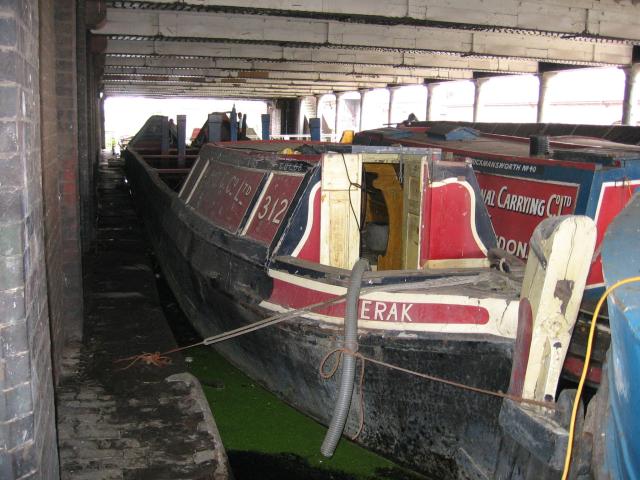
<point x="431" y="87"/>
<point x="631" y="89"/>
<point x="477" y="83"/>
<point x="542" y="94"/>
<point x="182" y="140"/>
<point x="392" y="91"/>
<point x="28" y="443"/>
<point x="362" y="93"/>
<point x="300" y="125"/>
<point x="337" y="117"/>
<point x="102" y="129"/>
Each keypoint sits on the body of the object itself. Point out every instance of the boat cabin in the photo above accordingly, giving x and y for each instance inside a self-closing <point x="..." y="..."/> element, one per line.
<point x="401" y="208"/>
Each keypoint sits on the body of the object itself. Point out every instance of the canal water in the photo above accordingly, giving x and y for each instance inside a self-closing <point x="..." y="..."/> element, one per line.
<point x="265" y="438"/>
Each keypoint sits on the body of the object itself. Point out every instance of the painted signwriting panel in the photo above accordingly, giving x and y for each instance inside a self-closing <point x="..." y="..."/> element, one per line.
<point x="614" y="196"/>
<point x="225" y="196"/>
<point x="295" y="296"/>
<point x="272" y="207"/>
<point x="518" y="205"/>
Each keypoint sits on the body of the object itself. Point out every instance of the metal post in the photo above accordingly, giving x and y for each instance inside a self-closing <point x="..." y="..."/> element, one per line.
<point x="214" y="127"/>
<point x="266" y="126"/>
<point x="234" y="124"/>
<point x="182" y="140"/>
<point x="314" y="128"/>
<point x="165" y="135"/>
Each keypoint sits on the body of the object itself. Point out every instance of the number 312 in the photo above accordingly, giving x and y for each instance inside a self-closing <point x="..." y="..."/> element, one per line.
<point x="273" y="215"/>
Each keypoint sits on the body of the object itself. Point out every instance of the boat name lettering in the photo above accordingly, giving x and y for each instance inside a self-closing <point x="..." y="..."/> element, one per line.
<point x="273" y="215"/>
<point x="385" y="312"/>
<point x="540" y="207"/>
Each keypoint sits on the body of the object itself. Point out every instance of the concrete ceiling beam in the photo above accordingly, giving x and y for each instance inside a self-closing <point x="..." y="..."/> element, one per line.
<point x="272" y="90"/>
<point x="198" y="80"/>
<point x="601" y="18"/>
<point x="352" y="70"/>
<point x="263" y="76"/>
<point x="307" y="32"/>
<point x="220" y="52"/>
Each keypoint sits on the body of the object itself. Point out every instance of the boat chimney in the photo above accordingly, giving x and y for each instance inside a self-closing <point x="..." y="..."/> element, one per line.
<point x="538" y="145"/>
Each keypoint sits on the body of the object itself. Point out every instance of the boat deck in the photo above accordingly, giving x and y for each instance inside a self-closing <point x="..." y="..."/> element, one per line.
<point x="144" y="422"/>
<point x="494" y="145"/>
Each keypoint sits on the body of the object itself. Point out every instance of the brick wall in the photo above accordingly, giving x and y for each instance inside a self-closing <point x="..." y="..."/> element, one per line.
<point x="59" y="135"/>
<point x="27" y="424"/>
<point x="70" y="325"/>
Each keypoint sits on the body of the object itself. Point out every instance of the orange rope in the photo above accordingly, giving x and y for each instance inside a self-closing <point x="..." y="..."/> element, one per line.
<point x="157" y="359"/>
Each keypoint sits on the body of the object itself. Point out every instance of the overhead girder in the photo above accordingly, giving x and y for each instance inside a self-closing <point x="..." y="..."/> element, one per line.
<point x="169" y="93"/>
<point x="212" y="92"/>
<point x="221" y="52"/>
<point x="314" y="33"/>
<point x="204" y="81"/>
<point x="269" y="90"/>
<point x="274" y="75"/>
<point x="601" y="19"/>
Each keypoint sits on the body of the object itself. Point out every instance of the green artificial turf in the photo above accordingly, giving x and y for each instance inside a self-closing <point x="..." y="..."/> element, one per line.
<point x="252" y="419"/>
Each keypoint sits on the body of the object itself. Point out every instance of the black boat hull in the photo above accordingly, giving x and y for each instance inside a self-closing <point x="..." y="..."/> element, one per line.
<point x="437" y="429"/>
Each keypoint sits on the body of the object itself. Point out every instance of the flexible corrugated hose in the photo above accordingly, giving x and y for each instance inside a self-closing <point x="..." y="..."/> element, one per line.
<point x="343" y="403"/>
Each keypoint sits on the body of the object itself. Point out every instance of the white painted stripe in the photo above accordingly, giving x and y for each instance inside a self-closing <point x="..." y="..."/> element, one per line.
<point x="186" y="182"/>
<point x="310" y="220"/>
<point x="257" y="205"/>
<point x="195" y="185"/>
<point x="307" y="283"/>
<point x="491" y="328"/>
<point x="381" y="295"/>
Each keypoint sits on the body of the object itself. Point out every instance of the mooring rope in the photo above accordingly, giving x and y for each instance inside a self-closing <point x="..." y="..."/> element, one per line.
<point x="161" y="359"/>
<point x="148" y="358"/>
<point x="363" y="358"/>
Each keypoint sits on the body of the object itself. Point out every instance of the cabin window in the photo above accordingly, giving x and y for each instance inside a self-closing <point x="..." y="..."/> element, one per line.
<point x="371" y="208"/>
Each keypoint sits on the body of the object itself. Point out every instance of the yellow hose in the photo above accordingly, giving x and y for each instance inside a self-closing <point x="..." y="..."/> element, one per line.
<point x="585" y="368"/>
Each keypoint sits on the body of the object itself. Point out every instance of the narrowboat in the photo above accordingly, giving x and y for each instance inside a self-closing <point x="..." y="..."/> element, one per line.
<point x="257" y="228"/>
<point x="555" y="170"/>
<point x="611" y="419"/>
